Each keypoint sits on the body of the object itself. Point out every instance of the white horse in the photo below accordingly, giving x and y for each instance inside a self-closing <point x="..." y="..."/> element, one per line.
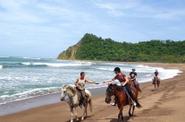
<point x="70" y="95"/>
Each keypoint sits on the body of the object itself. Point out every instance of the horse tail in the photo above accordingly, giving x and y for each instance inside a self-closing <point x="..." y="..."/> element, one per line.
<point x="90" y="104"/>
<point x="89" y="95"/>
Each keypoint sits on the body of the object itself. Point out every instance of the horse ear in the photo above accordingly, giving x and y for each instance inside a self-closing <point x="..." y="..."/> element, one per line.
<point x="71" y="91"/>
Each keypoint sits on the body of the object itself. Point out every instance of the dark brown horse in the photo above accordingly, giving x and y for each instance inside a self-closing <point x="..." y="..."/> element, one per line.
<point x="122" y="99"/>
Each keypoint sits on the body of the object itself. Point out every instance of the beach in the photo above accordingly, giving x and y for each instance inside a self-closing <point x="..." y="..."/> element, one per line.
<point x="165" y="104"/>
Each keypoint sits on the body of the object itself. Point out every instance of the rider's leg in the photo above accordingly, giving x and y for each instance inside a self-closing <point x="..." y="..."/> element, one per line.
<point x="128" y="93"/>
<point x="83" y="96"/>
<point x="134" y="100"/>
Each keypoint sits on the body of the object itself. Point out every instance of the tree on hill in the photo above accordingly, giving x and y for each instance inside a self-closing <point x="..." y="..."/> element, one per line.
<point x="92" y="47"/>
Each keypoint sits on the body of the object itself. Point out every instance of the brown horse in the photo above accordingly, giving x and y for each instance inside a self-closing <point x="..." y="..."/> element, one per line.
<point x="156" y="82"/>
<point x="122" y="99"/>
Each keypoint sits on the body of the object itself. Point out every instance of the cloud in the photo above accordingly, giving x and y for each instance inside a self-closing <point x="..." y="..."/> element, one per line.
<point x="26" y="23"/>
<point x="139" y="9"/>
<point x="116" y="8"/>
<point x="14" y="11"/>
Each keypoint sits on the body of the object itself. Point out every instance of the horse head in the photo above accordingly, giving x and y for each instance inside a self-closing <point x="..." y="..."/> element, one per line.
<point x="110" y="91"/>
<point x="67" y="91"/>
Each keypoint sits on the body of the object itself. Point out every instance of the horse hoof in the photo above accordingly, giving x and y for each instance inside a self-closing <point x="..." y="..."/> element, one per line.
<point x="82" y="118"/>
<point x="71" y="121"/>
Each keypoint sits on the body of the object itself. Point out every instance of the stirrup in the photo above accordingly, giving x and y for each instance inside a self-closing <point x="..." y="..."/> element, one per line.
<point x="113" y="104"/>
<point x="134" y="103"/>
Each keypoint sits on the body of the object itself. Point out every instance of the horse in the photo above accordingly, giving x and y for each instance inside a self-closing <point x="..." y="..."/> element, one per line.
<point x="134" y="84"/>
<point x="70" y="95"/>
<point x="122" y="99"/>
<point x="156" y="81"/>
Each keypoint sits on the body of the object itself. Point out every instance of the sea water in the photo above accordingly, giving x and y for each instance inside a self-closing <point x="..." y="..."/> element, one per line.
<point x="23" y="78"/>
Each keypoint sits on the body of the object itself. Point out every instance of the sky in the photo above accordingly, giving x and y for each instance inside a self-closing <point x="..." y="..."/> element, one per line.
<point x="44" y="28"/>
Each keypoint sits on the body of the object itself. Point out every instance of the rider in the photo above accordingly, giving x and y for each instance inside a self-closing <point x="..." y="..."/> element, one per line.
<point x="156" y="79"/>
<point x="124" y="82"/>
<point x="156" y="72"/>
<point x="133" y="76"/>
<point x="80" y="86"/>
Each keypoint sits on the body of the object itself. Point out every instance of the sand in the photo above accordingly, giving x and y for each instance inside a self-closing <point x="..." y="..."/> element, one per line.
<point x="166" y="104"/>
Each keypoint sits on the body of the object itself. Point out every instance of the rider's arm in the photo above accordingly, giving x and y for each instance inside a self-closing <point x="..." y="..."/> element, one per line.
<point x="89" y="81"/>
<point x="110" y="81"/>
<point x="126" y="81"/>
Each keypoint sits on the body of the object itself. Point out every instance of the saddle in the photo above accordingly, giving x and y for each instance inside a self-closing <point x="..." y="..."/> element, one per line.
<point x="82" y="96"/>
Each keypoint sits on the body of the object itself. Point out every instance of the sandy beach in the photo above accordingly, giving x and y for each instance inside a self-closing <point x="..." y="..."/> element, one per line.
<point x="167" y="104"/>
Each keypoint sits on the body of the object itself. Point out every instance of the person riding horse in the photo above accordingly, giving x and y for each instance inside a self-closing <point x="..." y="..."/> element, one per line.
<point x="124" y="83"/>
<point x="156" y="79"/>
<point x="80" y="86"/>
<point x="133" y="76"/>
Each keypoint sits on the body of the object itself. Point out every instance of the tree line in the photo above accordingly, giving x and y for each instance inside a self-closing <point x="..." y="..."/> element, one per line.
<point x="97" y="48"/>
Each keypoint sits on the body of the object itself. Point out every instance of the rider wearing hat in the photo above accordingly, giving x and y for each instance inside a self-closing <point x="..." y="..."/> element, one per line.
<point x="124" y="82"/>
<point x="132" y="76"/>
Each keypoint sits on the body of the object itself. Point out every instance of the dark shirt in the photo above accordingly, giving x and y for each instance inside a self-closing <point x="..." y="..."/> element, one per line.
<point x="133" y="74"/>
<point x="156" y="73"/>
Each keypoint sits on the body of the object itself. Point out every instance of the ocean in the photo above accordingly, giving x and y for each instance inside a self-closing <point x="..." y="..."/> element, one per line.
<point x="23" y="78"/>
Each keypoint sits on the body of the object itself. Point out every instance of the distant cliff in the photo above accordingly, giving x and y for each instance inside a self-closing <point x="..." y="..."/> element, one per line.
<point x="70" y="53"/>
<point x="91" y="47"/>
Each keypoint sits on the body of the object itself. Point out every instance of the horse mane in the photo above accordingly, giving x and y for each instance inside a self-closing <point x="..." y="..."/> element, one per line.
<point x="117" y="87"/>
<point x="70" y="90"/>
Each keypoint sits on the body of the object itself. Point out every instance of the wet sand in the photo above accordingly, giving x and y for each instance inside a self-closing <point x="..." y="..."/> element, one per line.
<point x="166" y="104"/>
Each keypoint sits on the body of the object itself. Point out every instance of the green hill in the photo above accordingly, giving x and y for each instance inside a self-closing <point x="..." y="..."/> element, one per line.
<point x="91" y="47"/>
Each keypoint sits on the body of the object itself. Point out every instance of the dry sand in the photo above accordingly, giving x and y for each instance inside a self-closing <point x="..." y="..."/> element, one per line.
<point x="167" y="104"/>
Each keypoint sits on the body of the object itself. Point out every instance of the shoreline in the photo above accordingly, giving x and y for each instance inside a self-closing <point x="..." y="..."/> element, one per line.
<point x="153" y="103"/>
<point x="38" y="101"/>
<point x="16" y="97"/>
<point x="52" y="98"/>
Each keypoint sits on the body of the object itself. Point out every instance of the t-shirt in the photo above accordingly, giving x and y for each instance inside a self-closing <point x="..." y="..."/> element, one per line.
<point x="120" y="77"/>
<point x="81" y="83"/>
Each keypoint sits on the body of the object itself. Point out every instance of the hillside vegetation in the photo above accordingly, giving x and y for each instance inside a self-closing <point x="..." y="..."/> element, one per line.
<point x="91" y="47"/>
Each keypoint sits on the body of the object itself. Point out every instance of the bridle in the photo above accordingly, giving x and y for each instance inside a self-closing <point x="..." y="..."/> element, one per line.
<point x="110" y="89"/>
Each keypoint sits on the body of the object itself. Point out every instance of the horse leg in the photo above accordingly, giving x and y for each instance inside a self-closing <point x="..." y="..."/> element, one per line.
<point x="133" y="108"/>
<point x="76" y="115"/>
<point x="157" y="85"/>
<point x="154" y="86"/>
<point x="72" y="114"/>
<point x="120" y="115"/>
<point x="130" y="107"/>
<point x="85" y="112"/>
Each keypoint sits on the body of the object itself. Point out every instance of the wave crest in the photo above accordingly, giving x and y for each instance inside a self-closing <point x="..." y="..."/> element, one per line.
<point x="55" y="64"/>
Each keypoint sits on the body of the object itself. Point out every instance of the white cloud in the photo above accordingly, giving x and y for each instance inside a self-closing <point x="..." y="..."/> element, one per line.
<point x="46" y="22"/>
<point x="116" y="8"/>
<point x="14" y="12"/>
<point x="139" y="9"/>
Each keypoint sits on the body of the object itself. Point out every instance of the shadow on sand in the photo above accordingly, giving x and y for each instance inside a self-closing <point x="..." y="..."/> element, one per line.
<point x="79" y="119"/>
<point x="126" y="118"/>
